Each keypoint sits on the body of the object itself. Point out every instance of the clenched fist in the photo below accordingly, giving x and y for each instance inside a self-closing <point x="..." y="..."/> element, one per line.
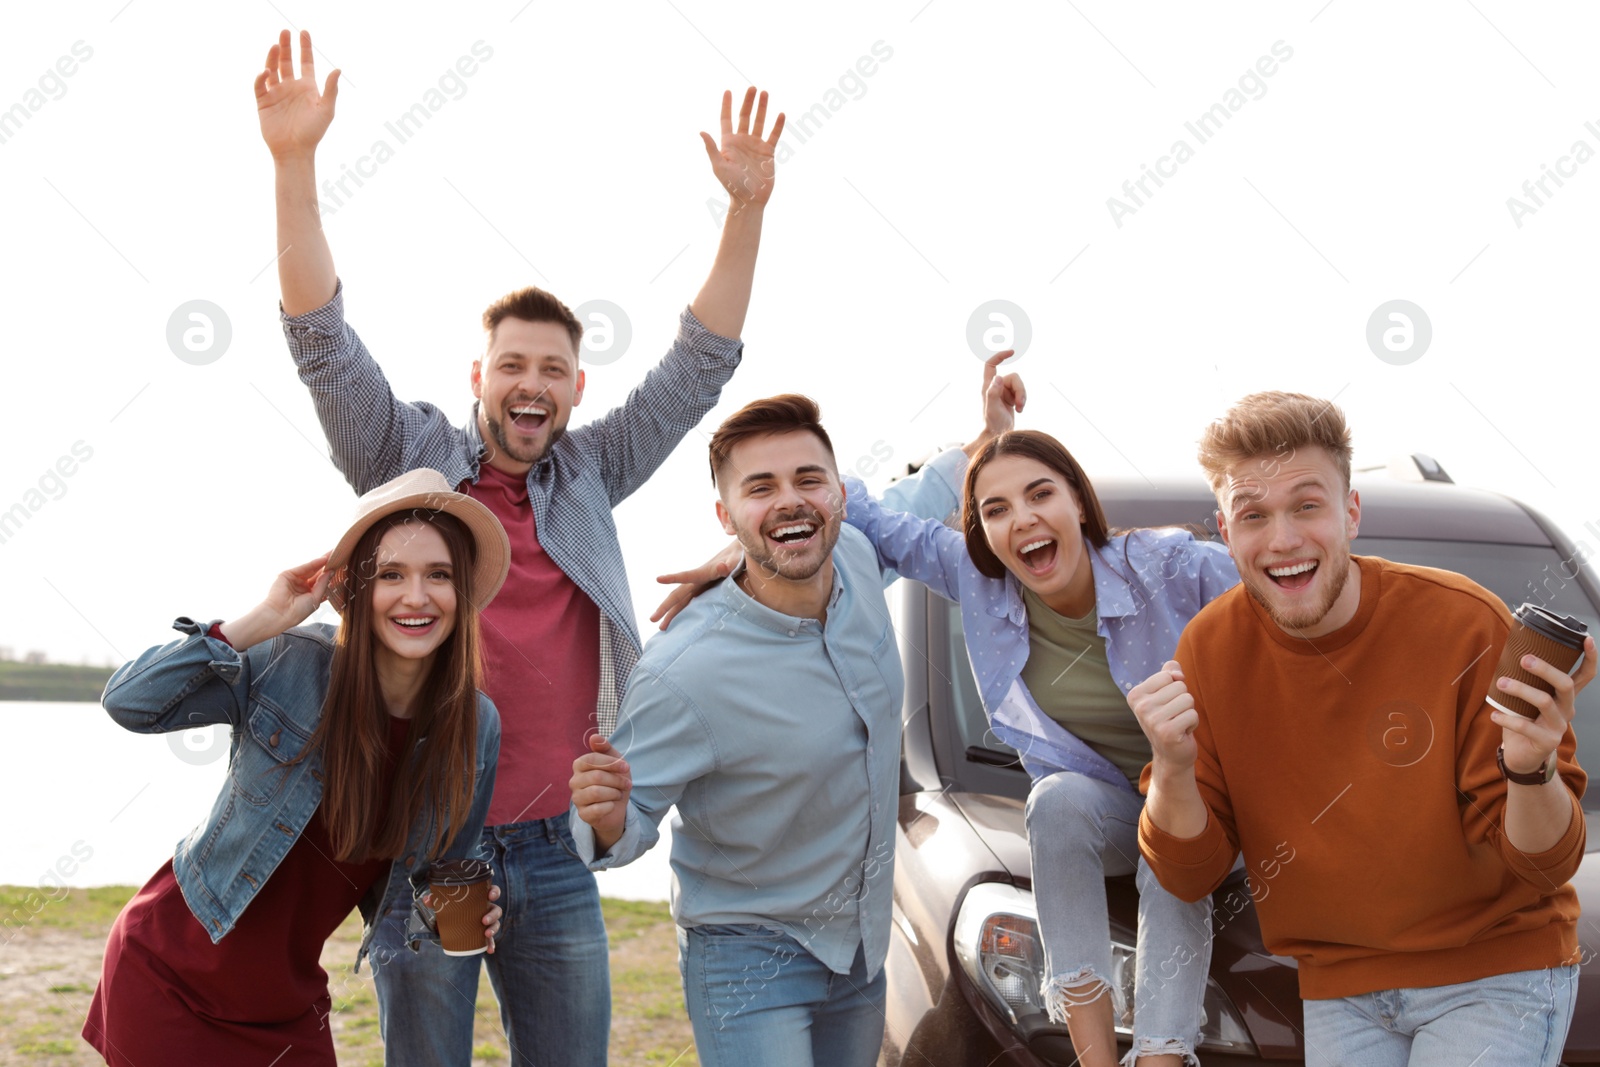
<point x="601" y="782"/>
<point x="1166" y="713"/>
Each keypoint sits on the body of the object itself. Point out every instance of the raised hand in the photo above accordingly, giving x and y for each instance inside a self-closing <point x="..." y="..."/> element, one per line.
<point x="744" y="164"/>
<point x="293" y="115"/>
<point x="1003" y="398"/>
<point x="1166" y="712"/>
<point x="1004" y="395"/>
<point x="294" y="595"/>
<point x="601" y="783"/>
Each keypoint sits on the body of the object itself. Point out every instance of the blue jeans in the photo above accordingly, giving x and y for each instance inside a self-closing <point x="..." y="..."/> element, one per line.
<point x="1509" y="1020"/>
<point x="550" y="967"/>
<point x="1080" y="831"/>
<point x="755" y="995"/>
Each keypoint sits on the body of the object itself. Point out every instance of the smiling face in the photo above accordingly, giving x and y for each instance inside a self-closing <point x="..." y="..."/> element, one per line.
<point x="527" y="384"/>
<point x="781" y="497"/>
<point x="1033" y="523"/>
<point x="413" y="593"/>
<point x="1288" y="524"/>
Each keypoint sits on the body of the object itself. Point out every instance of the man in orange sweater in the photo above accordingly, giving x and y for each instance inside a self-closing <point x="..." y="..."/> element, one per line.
<point x="1425" y="891"/>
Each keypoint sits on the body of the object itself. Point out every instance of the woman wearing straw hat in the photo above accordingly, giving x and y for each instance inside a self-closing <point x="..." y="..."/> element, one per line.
<point x="361" y="754"/>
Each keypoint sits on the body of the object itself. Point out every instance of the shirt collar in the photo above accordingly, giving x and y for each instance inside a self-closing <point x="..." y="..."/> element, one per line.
<point x="474" y="438"/>
<point x="748" y="607"/>
<point x="1113" y="595"/>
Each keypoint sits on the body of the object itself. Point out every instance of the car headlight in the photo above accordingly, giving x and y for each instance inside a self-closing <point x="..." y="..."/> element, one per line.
<point x="997" y="944"/>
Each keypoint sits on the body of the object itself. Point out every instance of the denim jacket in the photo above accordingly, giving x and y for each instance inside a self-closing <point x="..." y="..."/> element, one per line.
<point x="271" y="694"/>
<point x="1147" y="586"/>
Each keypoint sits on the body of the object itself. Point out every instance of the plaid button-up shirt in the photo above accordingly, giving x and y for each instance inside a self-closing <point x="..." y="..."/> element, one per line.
<point x="373" y="437"/>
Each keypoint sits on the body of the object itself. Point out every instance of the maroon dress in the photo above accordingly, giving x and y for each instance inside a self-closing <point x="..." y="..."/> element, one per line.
<point x="168" y="995"/>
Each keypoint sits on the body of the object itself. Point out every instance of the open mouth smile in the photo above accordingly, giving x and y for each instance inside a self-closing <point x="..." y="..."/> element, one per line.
<point x="528" y="418"/>
<point x="794" y="534"/>
<point x="1293" y="575"/>
<point x="1038" y="556"/>
<point x="414" y="625"/>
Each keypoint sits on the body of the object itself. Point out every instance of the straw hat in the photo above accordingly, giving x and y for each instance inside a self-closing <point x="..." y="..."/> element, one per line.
<point x="425" y="490"/>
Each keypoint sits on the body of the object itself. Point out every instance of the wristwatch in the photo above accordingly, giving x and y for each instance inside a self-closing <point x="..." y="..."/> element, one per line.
<point x="1543" y="776"/>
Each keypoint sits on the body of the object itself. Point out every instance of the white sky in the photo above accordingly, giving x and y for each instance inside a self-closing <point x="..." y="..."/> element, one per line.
<point x="975" y="163"/>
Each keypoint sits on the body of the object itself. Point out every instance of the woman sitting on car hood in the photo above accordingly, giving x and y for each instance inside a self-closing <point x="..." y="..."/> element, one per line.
<point x="1061" y="619"/>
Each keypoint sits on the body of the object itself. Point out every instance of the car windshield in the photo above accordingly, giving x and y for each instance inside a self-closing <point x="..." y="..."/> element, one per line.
<point x="1515" y="573"/>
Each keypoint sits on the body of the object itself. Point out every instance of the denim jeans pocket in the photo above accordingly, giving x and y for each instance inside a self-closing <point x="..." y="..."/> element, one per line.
<point x="568" y="845"/>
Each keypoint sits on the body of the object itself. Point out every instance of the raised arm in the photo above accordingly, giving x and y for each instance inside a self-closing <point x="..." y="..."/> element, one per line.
<point x="1186" y="829"/>
<point x="200" y="680"/>
<point x="372" y="435"/>
<point x="1539" y="829"/>
<point x="633" y="439"/>
<point x="918" y="546"/>
<point x="745" y="165"/>
<point x="908" y="528"/>
<point x="294" y="116"/>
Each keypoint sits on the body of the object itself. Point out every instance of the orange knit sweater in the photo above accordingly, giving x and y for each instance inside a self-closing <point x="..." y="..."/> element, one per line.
<point x="1367" y="757"/>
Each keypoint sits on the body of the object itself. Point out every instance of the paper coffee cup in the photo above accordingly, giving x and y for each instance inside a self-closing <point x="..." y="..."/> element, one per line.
<point x="460" y="890"/>
<point x="1556" y="639"/>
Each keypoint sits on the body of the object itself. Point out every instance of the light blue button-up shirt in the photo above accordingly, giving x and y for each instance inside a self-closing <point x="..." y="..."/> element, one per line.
<point x="778" y="739"/>
<point x="1147" y="586"/>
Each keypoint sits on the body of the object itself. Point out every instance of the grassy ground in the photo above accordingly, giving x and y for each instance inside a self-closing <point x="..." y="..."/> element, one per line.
<point x="50" y="953"/>
<point x="52" y="681"/>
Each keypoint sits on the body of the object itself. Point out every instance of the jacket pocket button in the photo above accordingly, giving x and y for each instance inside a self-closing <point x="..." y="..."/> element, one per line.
<point x="273" y="740"/>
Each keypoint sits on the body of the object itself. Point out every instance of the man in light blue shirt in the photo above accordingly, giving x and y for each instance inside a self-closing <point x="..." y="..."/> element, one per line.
<point x="769" y="714"/>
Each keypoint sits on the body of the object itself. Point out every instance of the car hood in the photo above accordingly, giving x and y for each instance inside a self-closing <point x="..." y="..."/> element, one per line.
<point x="998" y="822"/>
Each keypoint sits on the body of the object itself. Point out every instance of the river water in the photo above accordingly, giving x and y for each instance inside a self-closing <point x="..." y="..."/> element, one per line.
<point x="87" y="803"/>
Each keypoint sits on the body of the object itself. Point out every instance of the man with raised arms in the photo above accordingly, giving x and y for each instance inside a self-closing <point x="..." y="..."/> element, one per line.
<point x="1425" y="889"/>
<point x="559" y="640"/>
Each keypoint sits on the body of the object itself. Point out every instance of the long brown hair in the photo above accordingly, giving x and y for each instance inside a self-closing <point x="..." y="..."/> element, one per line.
<point x="1030" y="444"/>
<point x="437" y="775"/>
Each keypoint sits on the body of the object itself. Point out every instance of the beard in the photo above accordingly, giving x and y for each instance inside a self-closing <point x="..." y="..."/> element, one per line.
<point x="761" y="558"/>
<point x="497" y="431"/>
<point x="1306" y="616"/>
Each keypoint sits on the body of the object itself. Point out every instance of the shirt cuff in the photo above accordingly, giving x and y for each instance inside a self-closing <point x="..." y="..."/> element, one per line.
<point x="1185" y="866"/>
<point x="325" y="321"/>
<point x="1556" y="864"/>
<point x="224" y="657"/>
<point x="711" y="349"/>
<point x="619" y="854"/>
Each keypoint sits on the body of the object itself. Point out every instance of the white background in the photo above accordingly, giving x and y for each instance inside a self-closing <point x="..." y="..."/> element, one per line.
<point x="975" y="163"/>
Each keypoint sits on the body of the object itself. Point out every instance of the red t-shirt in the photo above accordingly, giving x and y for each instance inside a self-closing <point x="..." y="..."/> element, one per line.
<point x="541" y="658"/>
<point x="168" y="995"/>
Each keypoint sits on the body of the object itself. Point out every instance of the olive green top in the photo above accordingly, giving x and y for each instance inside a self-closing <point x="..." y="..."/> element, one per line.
<point x="1070" y="678"/>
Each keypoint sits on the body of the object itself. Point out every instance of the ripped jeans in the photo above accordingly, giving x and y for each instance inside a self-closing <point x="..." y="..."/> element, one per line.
<point x="1081" y="831"/>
